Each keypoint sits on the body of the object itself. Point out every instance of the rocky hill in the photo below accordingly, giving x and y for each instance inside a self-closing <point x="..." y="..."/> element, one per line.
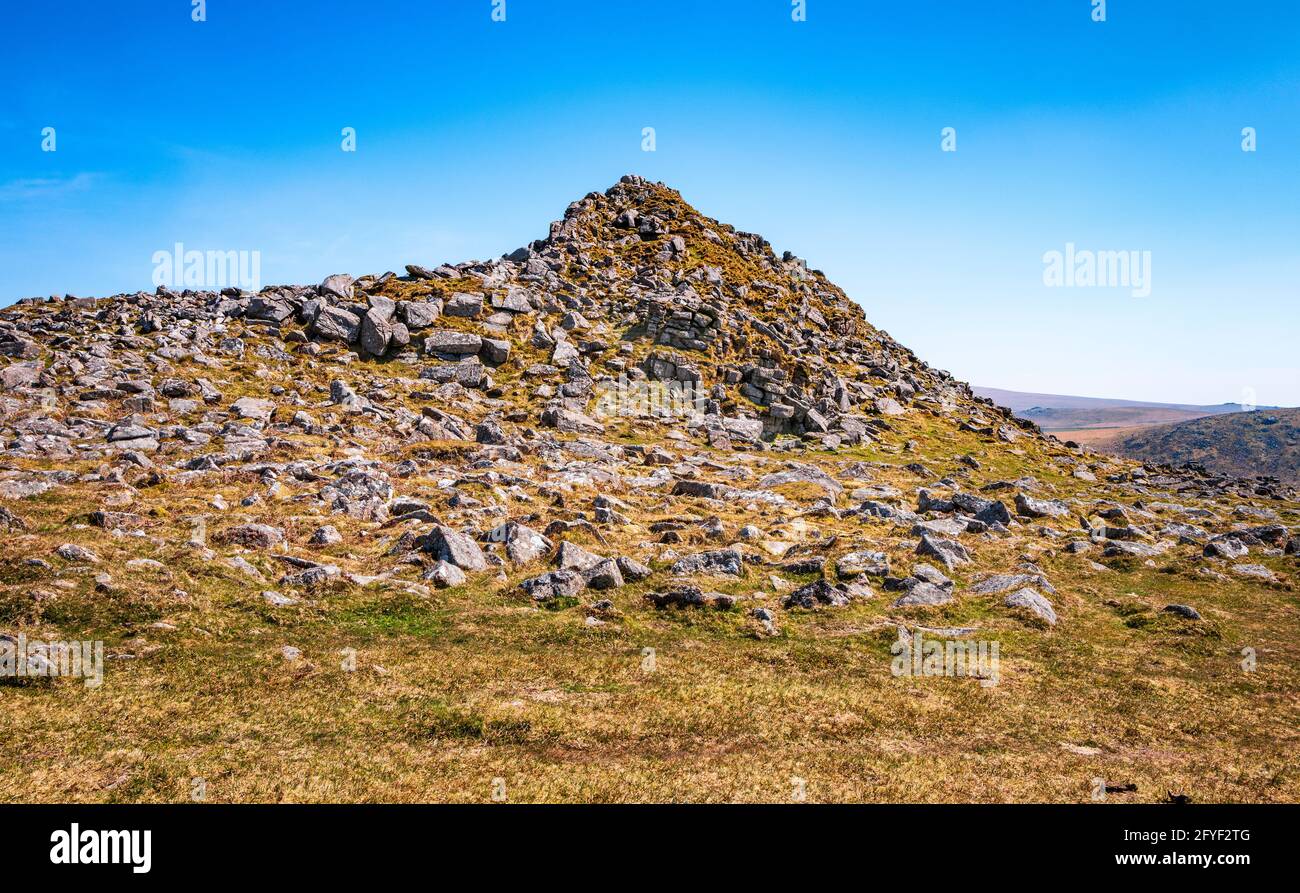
<point x="640" y="511"/>
<point x="1266" y="441"/>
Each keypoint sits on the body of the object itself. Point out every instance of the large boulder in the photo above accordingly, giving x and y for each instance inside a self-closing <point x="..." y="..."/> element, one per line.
<point x="495" y="351"/>
<point x="570" y="421"/>
<point x="20" y="375"/>
<point x="923" y="594"/>
<point x="419" y="314"/>
<point x="337" y="324"/>
<point x="376" y="331"/>
<point x="604" y="575"/>
<point x="866" y="562"/>
<point x="691" y="597"/>
<point x="454" y="547"/>
<point x="1229" y="547"/>
<point x="467" y="305"/>
<point x="572" y="557"/>
<point x="253" y="408"/>
<point x="337" y="286"/>
<point x="522" y="544"/>
<point x="815" y="595"/>
<point x="451" y="343"/>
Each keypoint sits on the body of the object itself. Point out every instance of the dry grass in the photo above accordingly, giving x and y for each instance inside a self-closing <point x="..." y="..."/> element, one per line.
<point x="478" y="684"/>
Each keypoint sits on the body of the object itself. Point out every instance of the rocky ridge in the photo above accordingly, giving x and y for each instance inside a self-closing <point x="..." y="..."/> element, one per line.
<point x="443" y="428"/>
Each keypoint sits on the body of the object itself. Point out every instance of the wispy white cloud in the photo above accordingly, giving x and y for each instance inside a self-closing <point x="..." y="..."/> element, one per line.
<point x="43" y="188"/>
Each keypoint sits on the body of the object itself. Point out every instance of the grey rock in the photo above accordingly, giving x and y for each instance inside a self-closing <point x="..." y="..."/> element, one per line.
<point x="1122" y="549"/>
<point x="717" y="562"/>
<point x="1254" y="571"/>
<point x="570" y="421"/>
<point x="604" y="575"/>
<point x="573" y="557"/>
<point x="691" y="597"/>
<point x="76" y="554"/>
<point x="632" y="570"/>
<point x="446" y="341"/>
<point x="1032" y="601"/>
<point x="556" y="584"/>
<point x="419" y="314"/>
<point x="20" y="375"/>
<point x="856" y="564"/>
<point x="1041" y="508"/>
<point x="1229" y="547"/>
<point x="454" y="547"/>
<point x="464" y="305"/>
<point x="336" y="324"/>
<point x="950" y="552"/>
<point x="999" y="583"/>
<point x="376" y="332"/>
<point x="495" y="351"/>
<point x="253" y="536"/>
<point x="444" y="574"/>
<point x="253" y="408"/>
<point x="327" y="535"/>
<point x="816" y="594"/>
<point x="924" y="594"/>
<point x="337" y="286"/>
<point x="522" y="544"/>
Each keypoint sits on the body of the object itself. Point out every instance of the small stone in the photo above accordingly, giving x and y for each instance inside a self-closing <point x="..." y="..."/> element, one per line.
<point x="1186" y="611"/>
<point x="327" y="535"/>
<point x="445" y="574"/>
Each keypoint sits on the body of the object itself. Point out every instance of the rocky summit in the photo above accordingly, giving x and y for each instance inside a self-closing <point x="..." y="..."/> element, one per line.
<point x="640" y="511"/>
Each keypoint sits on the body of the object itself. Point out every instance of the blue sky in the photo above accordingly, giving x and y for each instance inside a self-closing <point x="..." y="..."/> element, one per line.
<point x="822" y="135"/>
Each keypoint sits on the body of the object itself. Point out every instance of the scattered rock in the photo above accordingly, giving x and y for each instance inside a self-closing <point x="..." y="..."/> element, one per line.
<point x="1186" y="611"/>
<point x="718" y="562"/>
<point x="1033" y="602"/>
<point x="691" y="597"/>
<point x="454" y="547"/>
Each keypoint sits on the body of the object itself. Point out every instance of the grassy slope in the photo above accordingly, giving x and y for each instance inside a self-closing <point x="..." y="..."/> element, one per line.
<point x="477" y="684"/>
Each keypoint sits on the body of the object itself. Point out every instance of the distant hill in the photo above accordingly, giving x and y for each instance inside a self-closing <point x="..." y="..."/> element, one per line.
<point x="1239" y="443"/>
<point x="1018" y="400"/>
<point x="1064" y="414"/>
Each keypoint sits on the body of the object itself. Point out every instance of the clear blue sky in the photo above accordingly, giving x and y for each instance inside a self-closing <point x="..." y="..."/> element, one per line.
<point x="823" y="135"/>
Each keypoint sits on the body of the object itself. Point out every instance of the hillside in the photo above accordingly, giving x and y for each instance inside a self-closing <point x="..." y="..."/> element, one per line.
<point x="641" y="511"/>
<point x="1241" y="443"/>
